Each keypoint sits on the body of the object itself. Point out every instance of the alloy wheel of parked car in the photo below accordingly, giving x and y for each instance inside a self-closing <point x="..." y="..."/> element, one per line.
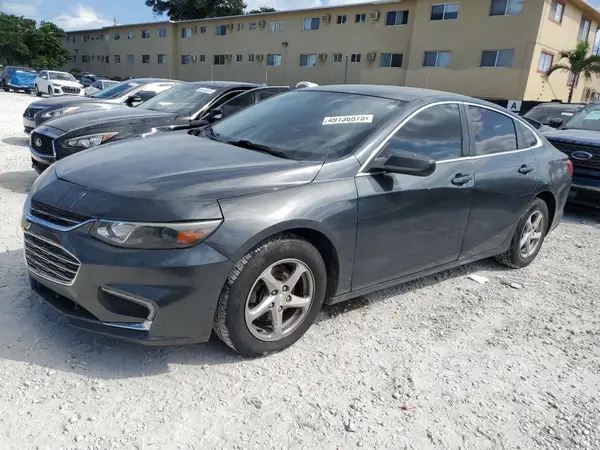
<point x="528" y="237"/>
<point x="37" y="91"/>
<point x="272" y="296"/>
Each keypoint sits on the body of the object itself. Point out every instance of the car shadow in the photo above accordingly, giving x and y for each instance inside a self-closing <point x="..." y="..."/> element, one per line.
<point x="18" y="182"/>
<point x="17" y="141"/>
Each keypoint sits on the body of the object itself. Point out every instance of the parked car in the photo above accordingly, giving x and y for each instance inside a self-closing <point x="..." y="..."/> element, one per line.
<point x="182" y="107"/>
<point x="545" y="112"/>
<point x="315" y="195"/>
<point x="56" y="83"/>
<point x="131" y="93"/>
<point x="87" y="79"/>
<point x="579" y="138"/>
<point x="8" y="72"/>
<point x="99" y="85"/>
<point x="22" y="81"/>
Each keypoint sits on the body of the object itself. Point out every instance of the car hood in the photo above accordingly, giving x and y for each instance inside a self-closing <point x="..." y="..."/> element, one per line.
<point x="106" y="118"/>
<point x="585" y="137"/>
<point x="57" y="102"/>
<point x="66" y="83"/>
<point x="180" y="167"/>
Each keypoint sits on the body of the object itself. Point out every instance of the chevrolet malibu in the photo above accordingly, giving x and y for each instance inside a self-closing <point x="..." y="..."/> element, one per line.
<point x="313" y="196"/>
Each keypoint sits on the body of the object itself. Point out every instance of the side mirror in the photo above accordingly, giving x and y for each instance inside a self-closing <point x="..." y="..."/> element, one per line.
<point x="214" y="115"/>
<point x="44" y="77"/>
<point x="406" y="163"/>
<point x="556" y="122"/>
<point x="133" y="99"/>
<point x="198" y="123"/>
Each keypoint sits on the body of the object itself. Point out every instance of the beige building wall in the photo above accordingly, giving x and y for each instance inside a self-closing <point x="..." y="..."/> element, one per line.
<point x="475" y="30"/>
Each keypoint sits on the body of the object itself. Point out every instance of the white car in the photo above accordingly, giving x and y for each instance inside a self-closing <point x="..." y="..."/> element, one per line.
<point x="99" y="85"/>
<point x="56" y="83"/>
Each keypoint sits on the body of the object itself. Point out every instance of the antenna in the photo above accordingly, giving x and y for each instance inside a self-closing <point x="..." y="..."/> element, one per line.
<point x="114" y="20"/>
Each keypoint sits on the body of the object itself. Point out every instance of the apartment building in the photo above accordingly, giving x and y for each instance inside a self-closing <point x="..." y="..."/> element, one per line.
<point x="495" y="49"/>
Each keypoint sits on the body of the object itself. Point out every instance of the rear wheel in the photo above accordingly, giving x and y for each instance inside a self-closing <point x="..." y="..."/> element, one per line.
<point x="529" y="236"/>
<point x="271" y="297"/>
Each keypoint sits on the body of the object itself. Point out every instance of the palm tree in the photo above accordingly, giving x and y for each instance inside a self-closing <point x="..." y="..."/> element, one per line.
<point x="580" y="61"/>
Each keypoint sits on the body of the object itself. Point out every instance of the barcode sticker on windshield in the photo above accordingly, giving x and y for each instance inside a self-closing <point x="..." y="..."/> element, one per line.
<point x="205" y="90"/>
<point x="566" y="114"/>
<point x="335" y="120"/>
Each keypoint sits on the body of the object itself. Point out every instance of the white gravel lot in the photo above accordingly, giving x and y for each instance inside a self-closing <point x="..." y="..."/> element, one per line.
<point x="440" y="363"/>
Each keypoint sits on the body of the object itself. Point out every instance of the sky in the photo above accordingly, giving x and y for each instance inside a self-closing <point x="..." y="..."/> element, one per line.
<point x="85" y="14"/>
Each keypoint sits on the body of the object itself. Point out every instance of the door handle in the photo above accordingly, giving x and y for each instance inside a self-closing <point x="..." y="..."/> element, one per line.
<point x="461" y="179"/>
<point x="525" y="169"/>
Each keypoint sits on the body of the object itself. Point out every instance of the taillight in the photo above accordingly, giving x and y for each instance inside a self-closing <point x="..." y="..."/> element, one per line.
<point x="570" y="166"/>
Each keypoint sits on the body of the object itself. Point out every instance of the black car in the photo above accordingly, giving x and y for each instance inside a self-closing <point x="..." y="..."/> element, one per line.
<point x="182" y="107"/>
<point x="545" y="113"/>
<point x="315" y="195"/>
<point x="129" y="93"/>
<point x="579" y="137"/>
<point x="7" y="73"/>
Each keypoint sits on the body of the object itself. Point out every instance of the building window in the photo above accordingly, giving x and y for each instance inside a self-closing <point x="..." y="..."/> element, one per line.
<point x="162" y="59"/>
<point x="145" y="59"/>
<point x="220" y="30"/>
<point x="506" y="7"/>
<point x="311" y="23"/>
<point x="186" y="59"/>
<point x="202" y="29"/>
<point x="116" y="36"/>
<point x="395" y="18"/>
<point x="130" y="59"/>
<point x="308" y="60"/>
<point x="240" y="27"/>
<point x="186" y="32"/>
<point x="85" y="58"/>
<point x="360" y="18"/>
<point x="337" y="58"/>
<point x="556" y="11"/>
<point x="273" y="60"/>
<point x="571" y="78"/>
<point x="131" y="35"/>
<point x="162" y="32"/>
<point x="107" y="37"/>
<point x="202" y="58"/>
<point x="546" y="60"/>
<point x="355" y="58"/>
<point x="107" y="59"/>
<point x="497" y="58"/>
<point x="252" y="26"/>
<point x="341" y="19"/>
<point x="275" y="26"/>
<point x="584" y="29"/>
<point x="93" y="57"/>
<point x="390" y="60"/>
<point x="444" y="11"/>
<point x="219" y="60"/>
<point x="85" y="38"/>
<point x="239" y="58"/>
<point x="117" y="59"/>
<point x="436" y="59"/>
<point x="251" y="57"/>
<point x="145" y="34"/>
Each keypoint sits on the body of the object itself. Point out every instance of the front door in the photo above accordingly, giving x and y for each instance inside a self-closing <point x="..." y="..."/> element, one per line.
<point x="409" y="223"/>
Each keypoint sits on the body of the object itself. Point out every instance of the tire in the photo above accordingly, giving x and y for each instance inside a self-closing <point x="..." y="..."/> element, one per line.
<point x="37" y="91"/>
<point x="27" y="91"/>
<point x="514" y="256"/>
<point x="49" y="92"/>
<point x="230" y="322"/>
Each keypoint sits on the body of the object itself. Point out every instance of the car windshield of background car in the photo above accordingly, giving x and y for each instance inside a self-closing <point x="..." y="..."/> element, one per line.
<point x="587" y="118"/>
<point x="546" y="115"/>
<point x="61" y="76"/>
<point x="183" y="99"/>
<point x="116" y="91"/>
<point x="309" y="125"/>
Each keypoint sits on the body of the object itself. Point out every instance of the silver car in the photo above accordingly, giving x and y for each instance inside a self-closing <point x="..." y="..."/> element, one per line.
<point x="99" y="85"/>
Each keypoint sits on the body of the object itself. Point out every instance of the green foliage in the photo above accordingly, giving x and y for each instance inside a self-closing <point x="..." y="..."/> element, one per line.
<point x="262" y="9"/>
<point x="579" y="61"/>
<point x="21" y="43"/>
<point x="196" y="9"/>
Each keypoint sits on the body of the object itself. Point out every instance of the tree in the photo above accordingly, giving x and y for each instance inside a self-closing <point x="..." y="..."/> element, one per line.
<point x="196" y="9"/>
<point x="262" y="9"/>
<point x="13" y="30"/>
<point x="579" y="61"/>
<point x="46" y="46"/>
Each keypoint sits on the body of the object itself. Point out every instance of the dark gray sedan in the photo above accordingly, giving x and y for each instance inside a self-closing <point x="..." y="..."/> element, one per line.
<point x="315" y="195"/>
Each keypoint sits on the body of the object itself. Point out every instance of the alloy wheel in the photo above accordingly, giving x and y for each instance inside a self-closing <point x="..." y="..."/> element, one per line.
<point x="531" y="236"/>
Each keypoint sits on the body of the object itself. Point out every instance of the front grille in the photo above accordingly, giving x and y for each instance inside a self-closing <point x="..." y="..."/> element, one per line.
<point x="42" y="143"/>
<point x="55" y="215"/>
<point x="31" y="111"/>
<point x="70" y="90"/>
<point x="50" y="260"/>
<point x="566" y="147"/>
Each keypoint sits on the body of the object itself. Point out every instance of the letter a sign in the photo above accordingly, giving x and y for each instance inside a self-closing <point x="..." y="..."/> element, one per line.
<point x="514" y="106"/>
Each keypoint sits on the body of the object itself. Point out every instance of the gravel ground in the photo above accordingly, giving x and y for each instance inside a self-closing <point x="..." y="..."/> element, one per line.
<point x="441" y="363"/>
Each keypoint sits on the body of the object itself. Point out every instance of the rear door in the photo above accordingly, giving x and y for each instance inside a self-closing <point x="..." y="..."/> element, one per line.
<point x="506" y="175"/>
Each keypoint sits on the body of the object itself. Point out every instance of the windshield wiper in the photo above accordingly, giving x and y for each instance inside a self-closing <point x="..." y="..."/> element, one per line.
<point x="261" y="148"/>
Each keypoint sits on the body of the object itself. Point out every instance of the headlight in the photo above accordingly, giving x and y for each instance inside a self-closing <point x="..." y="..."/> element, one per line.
<point x="60" y="112"/>
<point x="154" y="235"/>
<point x="91" y="140"/>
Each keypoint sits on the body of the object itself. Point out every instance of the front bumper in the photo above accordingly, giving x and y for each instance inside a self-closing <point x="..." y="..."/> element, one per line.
<point x="158" y="297"/>
<point x="585" y="190"/>
<point x="28" y="124"/>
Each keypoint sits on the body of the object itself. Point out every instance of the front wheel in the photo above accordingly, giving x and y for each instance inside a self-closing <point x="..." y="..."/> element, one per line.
<point x="49" y="92"/>
<point x="37" y="92"/>
<point x="529" y="236"/>
<point x="271" y="297"/>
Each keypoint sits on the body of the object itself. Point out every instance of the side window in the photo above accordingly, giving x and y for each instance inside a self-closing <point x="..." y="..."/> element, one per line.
<point x="526" y="137"/>
<point x="146" y="94"/>
<point x="494" y="132"/>
<point x="235" y="104"/>
<point x="266" y="93"/>
<point x="435" y="132"/>
<point x="97" y="85"/>
<point x="225" y="98"/>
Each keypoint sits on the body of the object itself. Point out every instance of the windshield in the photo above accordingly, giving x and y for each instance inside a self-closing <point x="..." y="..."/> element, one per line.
<point x="587" y="118"/>
<point x="182" y="99"/>
<point x="546" y="115"/>
<point x="117" y="91"/>
<point x="308" y="125"/>
<point x="61" y="76"/>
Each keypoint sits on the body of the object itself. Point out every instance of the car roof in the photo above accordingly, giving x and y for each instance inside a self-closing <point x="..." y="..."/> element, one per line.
<point x="153" y="80"/>
<point x="556" y="105"/>
<point x="223" y="84"/>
